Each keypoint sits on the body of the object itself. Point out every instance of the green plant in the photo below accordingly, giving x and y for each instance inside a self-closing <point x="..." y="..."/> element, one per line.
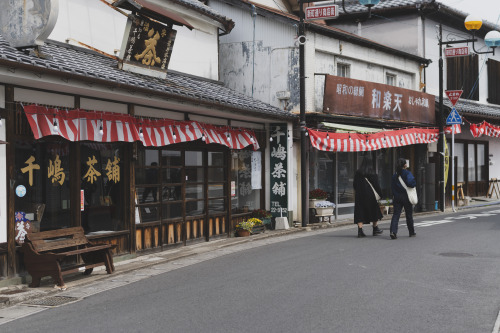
<point x="317" y="194"/>
<point x="248" y="224"/>
<point x="245" y="225"/>
<point x="261" y="214"/>
<point x="386" y="202"/>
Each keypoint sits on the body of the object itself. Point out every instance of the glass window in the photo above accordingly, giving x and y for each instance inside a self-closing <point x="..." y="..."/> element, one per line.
<point x="42" y="169"/>
<point x="346" y="170"/>
<point x="390" y="79"/>
<point x="195" y="175"/>
<point x="471" y="163"/>
<point x="216" y="175"/>
<point x="171" y="158"/>
<point x="243" y="196"/>
<point x="172" y="211"/>
<point x="459" y="153"/>
<point x="194" y="191"/>
<point x="172" y="175"/>
<point x="482" y="173"/>
<point x="215" y="158"/>
<point x="321" y="171"/>
<point x="194" y="208"/>
<point x="344" y="70"/>
<point x="385" y="170"/>
<point x="102" y="182"/>
<point x="194" y="158"/>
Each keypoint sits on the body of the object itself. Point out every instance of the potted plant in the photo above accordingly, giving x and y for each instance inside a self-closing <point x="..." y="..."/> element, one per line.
<point x="243" y="229"/>
<point x="323" y="207"/>
<point x="385" y="206"/>
<point x="315" y="195"/>
<point x="263" y="215"/>
<point x="258" y="225"/>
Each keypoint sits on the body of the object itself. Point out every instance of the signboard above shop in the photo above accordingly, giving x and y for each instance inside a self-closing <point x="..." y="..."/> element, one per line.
<point x="147" y="47"/>
<point x="321" y="12"/>
<point x="344" y="96"/>
<point x="451" y="52"/>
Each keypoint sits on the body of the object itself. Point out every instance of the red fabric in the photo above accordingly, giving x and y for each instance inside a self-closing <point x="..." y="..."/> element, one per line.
<point x="80" y="125"/>
<point x="485" y="128"/>
<point x="352" y="142"/>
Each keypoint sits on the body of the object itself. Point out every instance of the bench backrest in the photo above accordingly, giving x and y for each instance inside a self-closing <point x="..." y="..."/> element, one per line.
<point x="57" y="239"/>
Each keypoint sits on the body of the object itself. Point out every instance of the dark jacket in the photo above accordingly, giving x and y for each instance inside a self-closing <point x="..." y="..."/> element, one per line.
<point x="366" y="207"/>
<point x="398" y="191"/>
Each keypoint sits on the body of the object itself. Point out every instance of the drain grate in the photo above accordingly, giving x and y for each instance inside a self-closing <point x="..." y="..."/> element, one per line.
<point x="456" y="254"/>
<point x="52" y="301"/>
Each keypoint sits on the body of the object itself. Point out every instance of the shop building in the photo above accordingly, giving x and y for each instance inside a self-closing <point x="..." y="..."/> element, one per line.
<point x="142" y="158"/>
<point x="414" y="26"/>
<point x="261" y="57"/>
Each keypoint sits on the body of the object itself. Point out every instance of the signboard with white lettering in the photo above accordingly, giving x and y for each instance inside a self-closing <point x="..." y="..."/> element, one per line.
<point x="321" y="12"/>
<point x="451" y="52"/>
<point x="454" y="95"/>
<point x="375" y="100"/>
<point x="279" y="169"/>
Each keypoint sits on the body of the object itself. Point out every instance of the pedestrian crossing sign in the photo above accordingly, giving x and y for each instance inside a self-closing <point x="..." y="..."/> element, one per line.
<point x="453" y="118"/>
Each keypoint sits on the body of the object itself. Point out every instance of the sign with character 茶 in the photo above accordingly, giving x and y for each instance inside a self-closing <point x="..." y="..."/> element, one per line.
<point x="148" y="44"/>
<point x="279" y="169"/>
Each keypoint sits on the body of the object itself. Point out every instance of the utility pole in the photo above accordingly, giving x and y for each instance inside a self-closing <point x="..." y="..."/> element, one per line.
<point x="303" y="143"/>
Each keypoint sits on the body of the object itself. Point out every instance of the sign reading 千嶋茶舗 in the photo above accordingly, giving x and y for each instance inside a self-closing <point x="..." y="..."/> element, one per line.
<point x="279" y="169"/>
<point x="147" y="44"/>
<point x="375" y="100"/>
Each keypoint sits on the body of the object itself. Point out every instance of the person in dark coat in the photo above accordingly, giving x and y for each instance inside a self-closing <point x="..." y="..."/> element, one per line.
<point x="366" y="207"/>
<point x="400" y="199"/>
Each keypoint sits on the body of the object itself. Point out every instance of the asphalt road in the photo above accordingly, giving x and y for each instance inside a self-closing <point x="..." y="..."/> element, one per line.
<point x="447" y="279"/>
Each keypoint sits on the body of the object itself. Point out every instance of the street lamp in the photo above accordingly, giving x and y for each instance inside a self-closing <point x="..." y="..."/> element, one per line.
<point x="492" y="40"/>
<point x="303" y="143"/>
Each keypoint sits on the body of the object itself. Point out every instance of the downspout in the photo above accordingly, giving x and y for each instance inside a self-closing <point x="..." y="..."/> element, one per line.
<point x="254" y="16"/>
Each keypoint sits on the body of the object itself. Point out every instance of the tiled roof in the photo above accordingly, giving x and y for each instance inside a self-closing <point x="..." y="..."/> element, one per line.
<point x="354" y="7"/>
<point x="468" y="107"/>
<point x="200" y="7"/>
<point x="89" y="65"/>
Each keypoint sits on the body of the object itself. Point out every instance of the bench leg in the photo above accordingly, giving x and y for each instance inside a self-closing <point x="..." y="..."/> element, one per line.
<point x="35" y="281"/>
<point x="110" y="268"/>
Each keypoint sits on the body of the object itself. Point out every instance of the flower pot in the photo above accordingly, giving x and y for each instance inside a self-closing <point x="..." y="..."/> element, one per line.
<point x="312" y="202"/>
<point x="324" y="211"/>
<point x="243" y="233"/>
<point x="258" y="229"/>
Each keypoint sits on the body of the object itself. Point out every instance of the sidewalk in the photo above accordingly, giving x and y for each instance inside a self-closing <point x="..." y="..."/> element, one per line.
<point x="16" y="294"/>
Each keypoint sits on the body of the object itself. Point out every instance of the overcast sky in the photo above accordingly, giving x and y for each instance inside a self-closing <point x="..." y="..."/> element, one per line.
<point x="488" y="10"/>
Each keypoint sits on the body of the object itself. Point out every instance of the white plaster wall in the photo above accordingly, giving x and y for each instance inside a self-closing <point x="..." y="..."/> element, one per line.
<point x="97" y="105"/>
<point x="93" y="23"/>
<point x="39" y="97"/>
<point x="3" y="188"/>
<point x="494" y="158"/>
<point x="395" y="31"/>
<point x="141" y="111"/>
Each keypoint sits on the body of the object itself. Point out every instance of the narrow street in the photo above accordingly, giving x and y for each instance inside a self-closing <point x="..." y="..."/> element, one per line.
<point x="447" y="279"/>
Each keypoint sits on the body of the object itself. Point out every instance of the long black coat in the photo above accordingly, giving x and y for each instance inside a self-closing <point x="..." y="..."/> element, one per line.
<point x="366" y="207"/>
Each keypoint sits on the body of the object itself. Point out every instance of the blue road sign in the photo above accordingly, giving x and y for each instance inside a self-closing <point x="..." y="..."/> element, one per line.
<point x="453" y="118"/>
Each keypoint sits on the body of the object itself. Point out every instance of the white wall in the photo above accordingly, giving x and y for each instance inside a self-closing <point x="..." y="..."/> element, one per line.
<point x="93" y="23"/>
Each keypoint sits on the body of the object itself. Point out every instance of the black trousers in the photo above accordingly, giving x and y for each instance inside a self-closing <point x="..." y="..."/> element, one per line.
<point x="398" y="207"/>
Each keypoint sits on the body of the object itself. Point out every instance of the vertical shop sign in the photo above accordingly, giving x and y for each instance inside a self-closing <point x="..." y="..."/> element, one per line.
<point x="256" y="170"/>
<point x="82" y="200"/>
<point x="279" y="169"/>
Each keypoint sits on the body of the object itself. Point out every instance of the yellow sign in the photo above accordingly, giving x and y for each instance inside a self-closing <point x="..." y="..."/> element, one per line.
<point x="55" y="171"/>
<point x="446" y="162"/>
<point x="113" y="170"/>
<point x="92" y="173"/>
<point x="31" y="166"/>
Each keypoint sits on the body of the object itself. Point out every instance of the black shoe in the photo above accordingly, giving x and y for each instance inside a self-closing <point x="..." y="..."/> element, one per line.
<point x="413" y="234"/>
<point x="377" y="231"/>
<point x="393" y="235"/>
<point x="361" y="234"/>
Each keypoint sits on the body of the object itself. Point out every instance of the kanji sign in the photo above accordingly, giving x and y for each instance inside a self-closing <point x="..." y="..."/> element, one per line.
<point x="453" y="118"/>
<point x="454" y="95"/>
<point x="456" y="52"/>
<point x="279" y="169"/>
<point x="321" y="12"/>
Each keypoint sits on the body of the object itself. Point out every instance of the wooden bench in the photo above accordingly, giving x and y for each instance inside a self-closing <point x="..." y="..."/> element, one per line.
<point x="45" y="251"/>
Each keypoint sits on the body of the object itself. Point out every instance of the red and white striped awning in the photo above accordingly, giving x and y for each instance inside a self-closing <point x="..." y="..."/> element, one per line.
<point x="80" y="125"/>
<point x="485" y="128"/>
<point x="457" y="127"/>
<point x="353" y="142"/>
